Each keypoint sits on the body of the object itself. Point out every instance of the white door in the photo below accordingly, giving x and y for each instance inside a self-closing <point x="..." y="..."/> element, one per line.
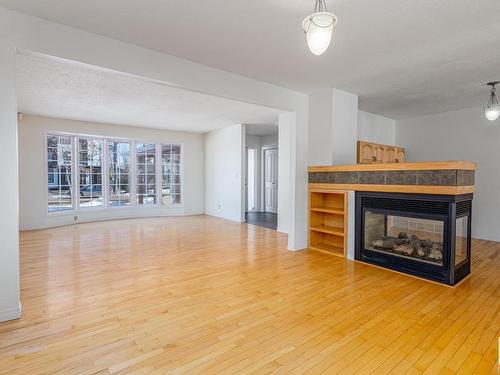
<point x="250" y="180"/>
<point x="271" y="180"/>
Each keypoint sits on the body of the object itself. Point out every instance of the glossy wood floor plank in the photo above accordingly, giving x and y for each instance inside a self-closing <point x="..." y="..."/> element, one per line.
<point x="201" y="295"/>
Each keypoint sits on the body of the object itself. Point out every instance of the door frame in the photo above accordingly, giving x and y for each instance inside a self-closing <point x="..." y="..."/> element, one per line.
<point x="256" y="172"/>
<point x="263" y="176"/>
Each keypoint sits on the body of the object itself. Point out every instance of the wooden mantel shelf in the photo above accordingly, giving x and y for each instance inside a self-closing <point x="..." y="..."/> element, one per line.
<point x="417" y="166"/>
<point x="436" y="177"/>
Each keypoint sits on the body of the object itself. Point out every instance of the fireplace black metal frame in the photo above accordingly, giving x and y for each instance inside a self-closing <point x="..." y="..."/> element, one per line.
<point x="446" y="208"/>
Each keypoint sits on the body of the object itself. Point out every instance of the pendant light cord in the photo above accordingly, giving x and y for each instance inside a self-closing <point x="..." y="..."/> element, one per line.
<point x="320" y="6"/>
<point x="493" y="97"/>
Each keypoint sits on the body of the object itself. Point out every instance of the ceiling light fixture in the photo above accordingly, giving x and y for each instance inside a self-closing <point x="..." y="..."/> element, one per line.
<point x="492" y="110"/>
<point x="319" y="28"/>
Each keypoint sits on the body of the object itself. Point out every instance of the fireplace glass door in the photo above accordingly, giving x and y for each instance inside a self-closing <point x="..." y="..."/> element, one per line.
<point x="403" y="236"/>
<point x="461" y="239"/>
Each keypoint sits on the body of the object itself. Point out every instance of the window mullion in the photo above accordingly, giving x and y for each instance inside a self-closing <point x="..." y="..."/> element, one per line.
<point x="104" y="174"/>
<point x="133" y="180"/>
<point x="171" y="175"/>
<point x="158" y="175"/>
<point x="75" y="174"/>
<point x="181" y="173"/>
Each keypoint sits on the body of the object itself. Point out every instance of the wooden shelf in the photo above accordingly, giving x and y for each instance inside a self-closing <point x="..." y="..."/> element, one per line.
<point x="330" y="249"/>
<point x="337" y="231"/>
<point x="328" y="221"/>
<point x="328" y="210"/>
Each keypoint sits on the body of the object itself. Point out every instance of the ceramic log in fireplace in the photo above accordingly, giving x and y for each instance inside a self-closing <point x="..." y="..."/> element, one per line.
<point x="422" y="235"/>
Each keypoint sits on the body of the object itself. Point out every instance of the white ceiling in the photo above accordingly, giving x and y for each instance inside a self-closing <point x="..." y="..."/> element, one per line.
<point x="402" y="57"/>
<point x="54" y="87"/>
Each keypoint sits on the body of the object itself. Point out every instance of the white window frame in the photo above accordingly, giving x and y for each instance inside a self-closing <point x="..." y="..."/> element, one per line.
<point x="181" y="172"/>
<point x="130" y="170"/>
<point x="103" y="165"/>
<point x="46" y="178"/>
<point x="159" y="160"/>
<point x="156" y="173"/>
<point x="75" y="174"/>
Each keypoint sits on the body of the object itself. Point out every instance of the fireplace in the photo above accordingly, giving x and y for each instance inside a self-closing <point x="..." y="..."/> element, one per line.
<point x="421" y="235"/>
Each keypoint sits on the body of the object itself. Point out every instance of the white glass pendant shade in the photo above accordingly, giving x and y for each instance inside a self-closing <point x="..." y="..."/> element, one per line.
<point x="492" y="112"/>
<point x="319" y="31"/>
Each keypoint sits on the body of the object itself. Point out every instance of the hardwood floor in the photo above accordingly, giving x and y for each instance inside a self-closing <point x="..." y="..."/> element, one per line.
<point x="204" y="295"/>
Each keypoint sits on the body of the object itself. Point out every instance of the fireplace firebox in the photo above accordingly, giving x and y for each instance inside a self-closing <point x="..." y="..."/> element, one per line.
<point x="422" y="235"/>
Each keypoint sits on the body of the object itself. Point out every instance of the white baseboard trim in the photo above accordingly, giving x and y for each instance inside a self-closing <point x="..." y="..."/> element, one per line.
<point x="297" y="247"/>
<point x="11" y="314"/>
<point x="235" y="219"/>
<point x="281" y="230"/>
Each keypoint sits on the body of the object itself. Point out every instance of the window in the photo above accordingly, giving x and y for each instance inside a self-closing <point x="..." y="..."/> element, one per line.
<point x="90" y="171"/>
<point x="171" y="174"/>
<point x="59" y="161"/>
<point x="118" y="174"/>
<point x="111" y="173"/>
<point x="52" y="178"/>
<point x="146" y="173"/>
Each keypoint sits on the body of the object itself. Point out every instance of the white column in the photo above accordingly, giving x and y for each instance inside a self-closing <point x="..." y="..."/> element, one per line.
<point x="9" y="211"/>
<point x="297" y="237"/>
<point x="333" y="127"/>
<point x="292" y="178"/>
<point x="284" y="170"/>
<point x="243" y="164"/>
<point x="344" y="127"/>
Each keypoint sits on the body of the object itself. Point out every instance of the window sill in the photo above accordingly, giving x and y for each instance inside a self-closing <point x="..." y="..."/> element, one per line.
<point x="87" y="210"/>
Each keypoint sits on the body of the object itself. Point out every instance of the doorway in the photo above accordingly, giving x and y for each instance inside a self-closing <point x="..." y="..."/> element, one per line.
<point x="267" y="216"/>
<point x="261" y="180"/>
<point x="271" y="180"/>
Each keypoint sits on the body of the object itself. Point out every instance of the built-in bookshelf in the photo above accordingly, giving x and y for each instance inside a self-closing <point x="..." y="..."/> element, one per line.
<point x="328" y="221"/>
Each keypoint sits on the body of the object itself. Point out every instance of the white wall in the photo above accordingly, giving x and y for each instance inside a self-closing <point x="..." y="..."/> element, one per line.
<point x="333" y="127"/>
<point x="270" y="140"/>
<point x="345" y="127"/>
<point x="461" y="135"/>
<point x="9" y="234"/>
<point x="33" y="168"/>
<point x="320" y="148"/>
<point x="377" y="129"/>
<point x="253" y="141"/>
<point x="224" y="173"/>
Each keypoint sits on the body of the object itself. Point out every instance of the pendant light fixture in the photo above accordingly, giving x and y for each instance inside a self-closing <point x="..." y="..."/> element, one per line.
<point x="319" y="28"/>
<point x="492" y="110"/>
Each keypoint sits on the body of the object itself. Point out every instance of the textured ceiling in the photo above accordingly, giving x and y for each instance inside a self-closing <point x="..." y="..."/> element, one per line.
<point x="54" y="87"/>
<point x="402" y="57"/>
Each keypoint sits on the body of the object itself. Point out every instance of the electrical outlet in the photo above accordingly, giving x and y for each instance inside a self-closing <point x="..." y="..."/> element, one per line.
<point x="75" y="218"/>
